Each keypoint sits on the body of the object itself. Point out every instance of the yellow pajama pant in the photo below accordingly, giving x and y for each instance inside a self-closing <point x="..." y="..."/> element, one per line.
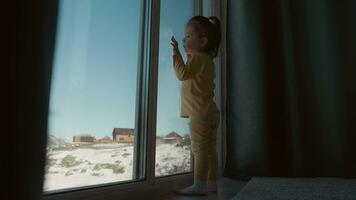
<point x="203" y="142"/>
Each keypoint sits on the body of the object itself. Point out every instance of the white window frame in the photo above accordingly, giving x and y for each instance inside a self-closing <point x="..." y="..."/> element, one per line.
<point x="144" y="184"/>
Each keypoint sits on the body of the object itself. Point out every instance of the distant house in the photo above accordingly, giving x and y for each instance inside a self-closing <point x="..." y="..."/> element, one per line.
<point x="172" y="137"/>
<point x="123" y="135"/>
<point x="159" y="139"/>
<point x="105" y="140"/>
<point x="83" y="139"/>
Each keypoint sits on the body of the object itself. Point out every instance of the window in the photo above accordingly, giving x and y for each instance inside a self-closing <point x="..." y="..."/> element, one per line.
<point x="173" y="154"/>
<point x="207" y="8"/>
<point x="109" y="105"/>
<point x="93" y="93"/>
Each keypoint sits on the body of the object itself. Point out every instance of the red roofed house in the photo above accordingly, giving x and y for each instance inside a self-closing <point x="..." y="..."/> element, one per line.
<point x="172" y="137"/>
<point x="123" y="135"/>
<point x="83" y="139"/>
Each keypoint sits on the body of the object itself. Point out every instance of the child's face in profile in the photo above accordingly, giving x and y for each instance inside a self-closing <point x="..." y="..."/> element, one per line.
<point x="192" y="43"/>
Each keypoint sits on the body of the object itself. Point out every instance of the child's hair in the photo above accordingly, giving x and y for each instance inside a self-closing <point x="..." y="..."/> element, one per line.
<point x="209" y="27"/>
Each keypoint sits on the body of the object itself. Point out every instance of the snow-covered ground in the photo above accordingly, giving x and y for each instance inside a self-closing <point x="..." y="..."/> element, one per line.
<point x="106" y="163"/>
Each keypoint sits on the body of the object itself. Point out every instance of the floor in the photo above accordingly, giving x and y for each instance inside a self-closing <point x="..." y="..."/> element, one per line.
<point x="227" y="188"/>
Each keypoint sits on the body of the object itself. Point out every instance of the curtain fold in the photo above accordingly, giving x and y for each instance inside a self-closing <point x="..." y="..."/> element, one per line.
<point x="291" y="88"/>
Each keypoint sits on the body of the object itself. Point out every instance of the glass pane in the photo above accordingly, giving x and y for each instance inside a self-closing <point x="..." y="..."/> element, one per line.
<point x="207" y="7"/>
<point x="173" y="154"/>
<point x="93" y="94"/>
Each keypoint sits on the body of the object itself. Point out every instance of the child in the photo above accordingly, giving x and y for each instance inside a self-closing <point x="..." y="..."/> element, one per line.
<point x="201" y="43"/>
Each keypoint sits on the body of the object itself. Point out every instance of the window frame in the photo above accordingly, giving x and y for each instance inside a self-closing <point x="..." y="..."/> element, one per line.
<point x="144" y="183"/>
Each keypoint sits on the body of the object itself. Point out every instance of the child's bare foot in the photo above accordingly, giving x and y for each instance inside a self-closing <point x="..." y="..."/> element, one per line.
<point x="198" y="188"/>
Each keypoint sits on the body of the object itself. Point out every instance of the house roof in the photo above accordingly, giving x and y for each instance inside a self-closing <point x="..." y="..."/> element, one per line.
<point x="173" y="134"/>
<point x="123" y="131"/>
<point x="83" y="135"/>
<point x="169" y="138"/>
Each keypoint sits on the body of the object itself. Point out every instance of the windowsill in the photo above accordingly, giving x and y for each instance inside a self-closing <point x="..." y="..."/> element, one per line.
<point x="160" y="188"/>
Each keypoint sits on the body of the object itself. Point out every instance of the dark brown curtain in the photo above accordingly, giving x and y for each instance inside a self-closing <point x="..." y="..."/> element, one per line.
<point x="29" y="47"/>
<point x="291" y="88"/>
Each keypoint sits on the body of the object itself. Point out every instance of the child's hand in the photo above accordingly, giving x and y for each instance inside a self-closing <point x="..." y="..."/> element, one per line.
<point x="189" y="56"/>
<point x="174" y="44"/>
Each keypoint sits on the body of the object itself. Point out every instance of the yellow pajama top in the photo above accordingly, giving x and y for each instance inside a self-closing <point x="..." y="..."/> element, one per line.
<point x="197" y="91"/>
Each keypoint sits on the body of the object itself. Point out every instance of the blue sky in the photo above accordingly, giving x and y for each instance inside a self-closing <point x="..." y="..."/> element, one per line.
<point x="95" y="67"/>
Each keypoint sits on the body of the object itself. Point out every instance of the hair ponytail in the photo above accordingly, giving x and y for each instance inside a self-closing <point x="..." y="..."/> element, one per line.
<point x="216" y="34"/>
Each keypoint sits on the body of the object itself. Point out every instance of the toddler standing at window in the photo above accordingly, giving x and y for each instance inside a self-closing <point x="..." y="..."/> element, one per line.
<point x="201" y="44"/>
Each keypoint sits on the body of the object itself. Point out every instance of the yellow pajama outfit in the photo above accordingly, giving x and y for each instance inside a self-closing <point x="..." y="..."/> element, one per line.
<point x="197" y="103"/>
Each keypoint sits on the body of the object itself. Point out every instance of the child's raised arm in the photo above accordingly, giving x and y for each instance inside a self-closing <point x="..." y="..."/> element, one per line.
<point x="184" y="71"/>
<point x="189" y="70"/>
